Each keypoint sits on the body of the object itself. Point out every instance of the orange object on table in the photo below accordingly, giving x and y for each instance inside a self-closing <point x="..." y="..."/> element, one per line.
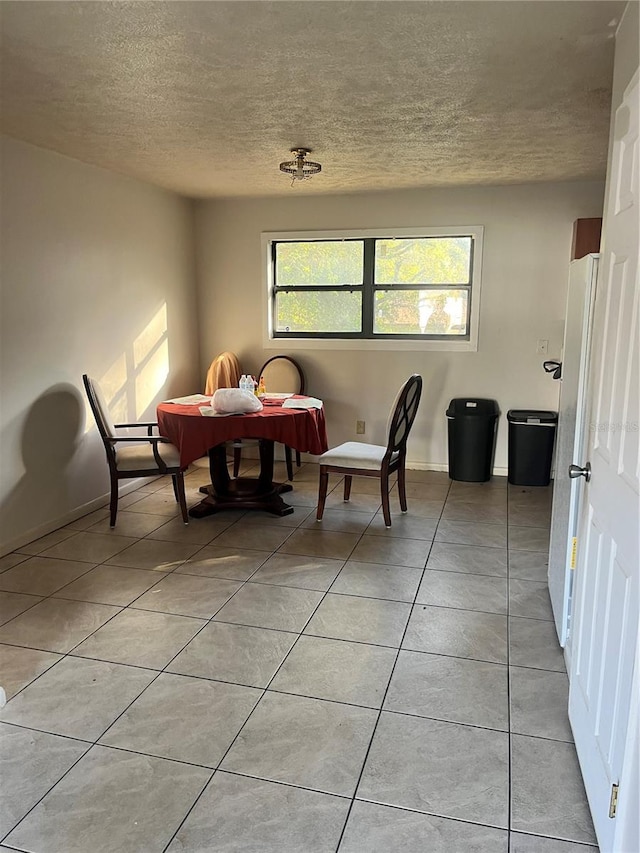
<point x="224" y="372"/>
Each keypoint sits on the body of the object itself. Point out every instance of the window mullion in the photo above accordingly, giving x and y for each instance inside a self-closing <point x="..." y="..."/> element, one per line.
<point x="368" y="282"/>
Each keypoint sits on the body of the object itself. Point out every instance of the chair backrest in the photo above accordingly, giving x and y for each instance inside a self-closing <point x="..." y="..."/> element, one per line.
<point x="101" y="414"/>
<point x="99" y="407"/>
<point x="283" y="373"/>
<point x="224" y="372"/>
<point x="404" y="413"/>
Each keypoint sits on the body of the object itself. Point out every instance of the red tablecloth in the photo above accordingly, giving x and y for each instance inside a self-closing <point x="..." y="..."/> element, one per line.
<point x="302" y="429"/>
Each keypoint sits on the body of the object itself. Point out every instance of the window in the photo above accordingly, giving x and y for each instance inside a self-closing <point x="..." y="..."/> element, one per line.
<point x="421" y="286"/>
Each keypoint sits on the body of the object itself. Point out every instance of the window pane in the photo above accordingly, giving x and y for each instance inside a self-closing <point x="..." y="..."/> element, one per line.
<point x="321" y="262"/>
<point x="421" y="312"/>
<point x="423" y="260"/>
<point x="313" y="311"/>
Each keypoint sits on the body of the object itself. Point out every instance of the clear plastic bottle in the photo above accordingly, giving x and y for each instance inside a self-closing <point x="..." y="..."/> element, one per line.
<point x="243" y="382"/>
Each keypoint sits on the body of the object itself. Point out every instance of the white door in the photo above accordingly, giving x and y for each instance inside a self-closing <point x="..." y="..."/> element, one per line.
<point x="605" y="614"/>
<point x="570" y="438"/>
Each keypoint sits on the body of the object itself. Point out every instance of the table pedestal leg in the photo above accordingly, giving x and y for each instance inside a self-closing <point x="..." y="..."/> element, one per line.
<point x="243" y="492"/>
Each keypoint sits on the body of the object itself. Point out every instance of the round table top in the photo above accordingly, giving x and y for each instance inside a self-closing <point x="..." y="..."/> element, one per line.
<point x="194" y="433"/>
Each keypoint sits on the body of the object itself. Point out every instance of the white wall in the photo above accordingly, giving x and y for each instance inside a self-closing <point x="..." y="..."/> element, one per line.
<point x="527" y="243"/>
<point x="97" y="277"/>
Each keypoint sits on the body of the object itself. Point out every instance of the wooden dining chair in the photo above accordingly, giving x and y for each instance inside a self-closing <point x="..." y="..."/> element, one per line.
<point x="281" y="374"/>
<point x="224" y="372"/>
<point x="355" y="458"/>
<point x="134" y="456"/>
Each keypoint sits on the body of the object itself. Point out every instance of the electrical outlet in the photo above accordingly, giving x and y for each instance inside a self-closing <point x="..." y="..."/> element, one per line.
<point x="543" y="347"/>
<point x="360" y="427"/>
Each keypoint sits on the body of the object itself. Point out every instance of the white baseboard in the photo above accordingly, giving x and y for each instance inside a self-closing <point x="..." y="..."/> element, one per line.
<point x="68" y="517"/>
<point x="250" y="452"/>
<point x="497" y="471"/>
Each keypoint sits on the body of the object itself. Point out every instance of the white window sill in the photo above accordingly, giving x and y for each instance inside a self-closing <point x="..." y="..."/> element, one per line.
<point x="368" y="344"/>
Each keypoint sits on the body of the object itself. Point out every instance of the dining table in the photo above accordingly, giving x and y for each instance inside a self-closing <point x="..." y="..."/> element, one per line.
<point x="196" y="431"/>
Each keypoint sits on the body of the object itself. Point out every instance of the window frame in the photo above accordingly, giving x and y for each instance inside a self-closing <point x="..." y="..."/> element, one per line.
<point x="361" y="340"/>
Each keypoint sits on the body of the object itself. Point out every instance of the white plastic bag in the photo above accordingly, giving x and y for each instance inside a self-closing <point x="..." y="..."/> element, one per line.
<point x="233" y="401"/>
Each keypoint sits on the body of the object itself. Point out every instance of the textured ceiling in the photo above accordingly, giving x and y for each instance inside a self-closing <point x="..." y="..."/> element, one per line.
<point x="206" y="98"/>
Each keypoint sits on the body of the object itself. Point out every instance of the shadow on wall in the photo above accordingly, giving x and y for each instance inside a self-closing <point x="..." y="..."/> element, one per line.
<point x="64" y="467"/>
<point x="52" y="432"/>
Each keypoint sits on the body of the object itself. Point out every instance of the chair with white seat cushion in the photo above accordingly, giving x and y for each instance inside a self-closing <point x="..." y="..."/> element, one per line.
<point x="355" y="458"/>
<point x="134" y="456"/>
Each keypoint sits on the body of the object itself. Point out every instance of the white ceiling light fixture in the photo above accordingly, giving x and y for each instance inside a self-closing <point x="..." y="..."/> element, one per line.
<point x="300" y="169"/>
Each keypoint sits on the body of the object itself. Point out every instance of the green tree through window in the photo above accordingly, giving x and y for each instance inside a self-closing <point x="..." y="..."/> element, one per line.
<point x="417" y="287"/>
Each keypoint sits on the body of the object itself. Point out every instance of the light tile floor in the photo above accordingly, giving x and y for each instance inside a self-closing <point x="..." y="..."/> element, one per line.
<point x="250" y="683"/>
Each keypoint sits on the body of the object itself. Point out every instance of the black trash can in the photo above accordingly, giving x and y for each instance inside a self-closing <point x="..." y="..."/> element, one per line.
<point x="531" y="437"/>
<point x="472" y="425"/>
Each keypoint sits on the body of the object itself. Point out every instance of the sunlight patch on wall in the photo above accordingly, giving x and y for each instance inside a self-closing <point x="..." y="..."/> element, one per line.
<point x="132" y="383"/>
<point x="148" y="339"/>
<point x="151" y="378"/>
<point x="114" y="388"/>
<point x="151" y="360"/>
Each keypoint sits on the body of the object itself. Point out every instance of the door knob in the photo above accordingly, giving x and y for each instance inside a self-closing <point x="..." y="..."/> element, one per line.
<point x="577" y="471"/>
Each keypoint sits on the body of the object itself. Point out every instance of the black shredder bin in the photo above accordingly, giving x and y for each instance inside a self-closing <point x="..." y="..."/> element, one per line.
<point x="531" y="438"/>
<point x="472" y="435"/>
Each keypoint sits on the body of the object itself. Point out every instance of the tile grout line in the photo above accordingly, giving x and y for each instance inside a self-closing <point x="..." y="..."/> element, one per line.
<point x="384" y="697"/>
<point x="95" y="742"/>
<point x="56" y="595"/>
<point x="510" y="666"/>
<point x="264" y="692"/>
<point x="69" y="653"/>
<point x="299" y="635"/>
<point x="48" y="791"/>
<point x="164" y="669"/>
<point x="93" y="566"/>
